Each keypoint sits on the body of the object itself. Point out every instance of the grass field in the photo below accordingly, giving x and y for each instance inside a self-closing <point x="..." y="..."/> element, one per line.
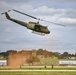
<point x="40" y="72"/>
<point x="41" y="68"/>
<point x="53" y="60"/>
<point x="49" y="60"/>
<point x="37" y="73"/>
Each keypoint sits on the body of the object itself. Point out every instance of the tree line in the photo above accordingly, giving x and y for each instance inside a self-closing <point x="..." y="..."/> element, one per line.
<point x="43" y="52"/>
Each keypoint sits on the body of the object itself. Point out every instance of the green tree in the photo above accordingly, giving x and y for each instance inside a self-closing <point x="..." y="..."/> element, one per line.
<point x="57" y="54"/>
<point x="32" y="60"/>
<point x="65" y="54"/>
<point x="40" y="52"/>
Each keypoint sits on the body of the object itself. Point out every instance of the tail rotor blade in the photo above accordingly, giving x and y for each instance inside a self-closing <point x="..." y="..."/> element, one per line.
<point x="4" y="12"/>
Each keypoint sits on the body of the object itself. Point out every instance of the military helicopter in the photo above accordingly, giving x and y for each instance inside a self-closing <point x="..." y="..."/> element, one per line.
<point x="36" y="27"/>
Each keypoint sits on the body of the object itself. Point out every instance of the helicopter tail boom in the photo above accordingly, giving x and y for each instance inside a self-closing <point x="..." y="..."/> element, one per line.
<point x="16" y="21"/>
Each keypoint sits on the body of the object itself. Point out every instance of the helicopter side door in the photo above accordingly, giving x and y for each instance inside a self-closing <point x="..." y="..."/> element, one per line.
<point x="37" y="27"/>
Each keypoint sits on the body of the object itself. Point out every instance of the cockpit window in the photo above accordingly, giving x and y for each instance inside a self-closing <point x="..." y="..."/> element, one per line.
<point x="37" y="27"/>
<point x="45" y="27"/>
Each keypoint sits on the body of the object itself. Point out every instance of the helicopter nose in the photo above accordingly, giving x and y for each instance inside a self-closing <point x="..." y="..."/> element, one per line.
<point x="48" y="32"/>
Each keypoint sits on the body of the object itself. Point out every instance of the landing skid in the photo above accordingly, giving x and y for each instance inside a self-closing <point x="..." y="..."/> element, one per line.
<point x="43" y="34"/>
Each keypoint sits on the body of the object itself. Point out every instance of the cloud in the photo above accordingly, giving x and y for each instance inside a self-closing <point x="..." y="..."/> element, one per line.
<point x="64" y="16"/>
<point x="26" y="8"/>
<point x="4" y="6"/>
<point x="7" y="30"/>
<point x="44" y="10"/>
<point x="70" y="13"/>
<point x="18" y="37"/>
<point x="54" y="1"/>
<point x="52" y="42"/>
<point x="16" y="1"/>
<point x="63" y="1"/>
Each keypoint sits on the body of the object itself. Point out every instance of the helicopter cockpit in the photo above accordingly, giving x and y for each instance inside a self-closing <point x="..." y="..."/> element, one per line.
<point x="41" y="28"/>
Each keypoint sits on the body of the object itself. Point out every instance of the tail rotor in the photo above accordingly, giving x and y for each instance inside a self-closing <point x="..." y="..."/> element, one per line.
<point x="4" y="12"/>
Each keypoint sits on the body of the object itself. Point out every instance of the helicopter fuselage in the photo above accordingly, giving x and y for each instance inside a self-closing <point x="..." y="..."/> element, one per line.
<point x="38" y="27"/>
<point x="35" y="26"/>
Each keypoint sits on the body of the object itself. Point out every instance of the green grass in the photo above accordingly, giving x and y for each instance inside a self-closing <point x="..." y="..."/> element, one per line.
<point x="37" y="73"/>
<point x="48" y="69"/>
<point x="53" y="60"/>
<point x="50" y="60"/>
<point x="55" y="68"/>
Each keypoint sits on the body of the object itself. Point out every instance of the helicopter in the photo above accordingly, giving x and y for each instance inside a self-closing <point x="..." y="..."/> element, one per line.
<point x="36" y="27"/>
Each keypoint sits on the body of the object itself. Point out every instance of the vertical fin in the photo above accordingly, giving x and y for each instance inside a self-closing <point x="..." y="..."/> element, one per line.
<point x="7" y="16"/>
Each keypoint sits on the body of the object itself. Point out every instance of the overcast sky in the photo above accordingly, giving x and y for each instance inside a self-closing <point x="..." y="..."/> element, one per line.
<point x="16" y="37"/>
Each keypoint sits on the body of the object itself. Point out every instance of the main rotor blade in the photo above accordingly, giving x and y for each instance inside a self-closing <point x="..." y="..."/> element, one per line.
<point x="24" y="14"/>
<point x="53" y="22"/>
<point x="38" y="18"/>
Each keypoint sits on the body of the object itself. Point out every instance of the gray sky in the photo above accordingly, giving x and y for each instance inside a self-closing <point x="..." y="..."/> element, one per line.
<point x="61" y="39"/>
